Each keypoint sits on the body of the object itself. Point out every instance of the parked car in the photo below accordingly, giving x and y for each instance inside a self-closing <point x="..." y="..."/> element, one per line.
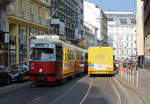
<point x="18" y="73"/>
<point x="5" y="75"/>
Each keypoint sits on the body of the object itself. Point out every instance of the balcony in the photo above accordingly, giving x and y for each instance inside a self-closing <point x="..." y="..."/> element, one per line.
<point x="44" y="3"/>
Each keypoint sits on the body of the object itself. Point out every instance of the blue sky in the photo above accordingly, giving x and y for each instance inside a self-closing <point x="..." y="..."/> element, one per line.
<point x="116" y="5"/>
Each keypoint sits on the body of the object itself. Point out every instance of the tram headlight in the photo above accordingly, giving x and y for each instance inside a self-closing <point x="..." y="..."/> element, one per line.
<point x="40" y="70"/>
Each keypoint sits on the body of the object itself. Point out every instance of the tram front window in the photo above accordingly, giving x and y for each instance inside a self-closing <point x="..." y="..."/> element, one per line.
<point x="42" y="54"/>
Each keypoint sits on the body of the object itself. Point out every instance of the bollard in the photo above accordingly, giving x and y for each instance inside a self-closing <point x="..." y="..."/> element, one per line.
<point x="126" y="74"/>
<point x="132" y="77"/>
<point x="137" y="77"/>
<point x="123" y="73"/>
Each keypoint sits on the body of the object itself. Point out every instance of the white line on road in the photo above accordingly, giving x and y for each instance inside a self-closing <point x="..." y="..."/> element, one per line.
<point x="59" y="98"/>
<point x="140" y="100"/>
<point x="115" y="89"/>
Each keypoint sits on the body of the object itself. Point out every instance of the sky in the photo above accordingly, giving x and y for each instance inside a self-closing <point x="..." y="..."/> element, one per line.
<point x="116" y="5"/>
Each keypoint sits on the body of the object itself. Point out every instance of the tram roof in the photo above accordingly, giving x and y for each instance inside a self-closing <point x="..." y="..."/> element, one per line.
<point x="55" y="40"/>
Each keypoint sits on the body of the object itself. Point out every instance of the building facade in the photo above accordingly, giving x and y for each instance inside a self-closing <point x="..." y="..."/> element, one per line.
<point x="4" y="35"/>
<point x="103" y="29"/>
<point x="96" y="17"/>
<point x="67" y="19"/>
<point x="146" y="9"/>
<point x="25" y="19"/>
<point x="140" y="34"/>
<point x="122" y="33"/>
<point x="80" y="15"/>
<point x="90" y="33"/>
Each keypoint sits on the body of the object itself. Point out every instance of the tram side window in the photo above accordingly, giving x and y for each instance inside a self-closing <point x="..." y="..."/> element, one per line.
<point x="73" y="53"/>
<point x="72" y="56"/>
<point x="86" y="56"/>
<point x="68" y="52"/>
<point x="83" y="57"/>
<point x="59" y="53"/>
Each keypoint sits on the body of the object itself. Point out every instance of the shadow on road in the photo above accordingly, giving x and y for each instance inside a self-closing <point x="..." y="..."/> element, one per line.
<point x="101" y="75"/>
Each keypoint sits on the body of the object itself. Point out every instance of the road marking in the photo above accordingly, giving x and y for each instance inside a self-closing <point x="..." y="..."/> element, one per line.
<point x="115" y="89"/>
<point x="88" y="91"/>
<point x="59" y="98"/>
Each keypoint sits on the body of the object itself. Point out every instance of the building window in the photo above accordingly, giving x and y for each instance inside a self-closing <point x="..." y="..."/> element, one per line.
<point x="31" y="11"/>
<point x="39" y="14"/>
<point x="12" y="53"/>
<point x="33" y="31"/>
<point x="22" y="44"/>
<point x="110" y="19"/>
<point x="123" y="21"/>
<point x="21" y="9"/>
<point x="40" y="32"/>
<point x="46" y="21"/>
<point x="133" y="21"/>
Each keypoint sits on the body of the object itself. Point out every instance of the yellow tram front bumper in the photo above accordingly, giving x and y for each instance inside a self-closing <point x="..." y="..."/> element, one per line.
<point x="100" y="71"/>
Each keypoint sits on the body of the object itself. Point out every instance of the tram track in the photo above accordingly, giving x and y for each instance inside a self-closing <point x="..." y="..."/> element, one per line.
<point x="57" y="99"/>
<point x="88" y="91"/>
<point x="91" y="84"/>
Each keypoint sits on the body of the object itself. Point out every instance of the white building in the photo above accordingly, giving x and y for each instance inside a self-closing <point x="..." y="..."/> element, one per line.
<point x="122" y="33"/>
<point x="96" y="17"/>
<point x="90" y="34"/>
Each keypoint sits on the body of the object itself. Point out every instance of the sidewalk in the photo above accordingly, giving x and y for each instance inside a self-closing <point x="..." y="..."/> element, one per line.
<point x="144" y="85"/>
<point x="12" y="87"/>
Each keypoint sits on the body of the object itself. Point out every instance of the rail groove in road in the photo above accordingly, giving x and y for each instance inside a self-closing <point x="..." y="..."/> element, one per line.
<point x="59" y="98"/>
<point x="91" y="84"/>
<point x="88" y="91"/>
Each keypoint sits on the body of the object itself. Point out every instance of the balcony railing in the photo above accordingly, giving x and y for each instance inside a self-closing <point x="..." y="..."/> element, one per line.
<point x="22" y="14"/>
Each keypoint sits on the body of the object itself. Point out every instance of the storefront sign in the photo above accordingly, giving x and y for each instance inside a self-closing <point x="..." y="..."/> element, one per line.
<point x="55" y="21"/>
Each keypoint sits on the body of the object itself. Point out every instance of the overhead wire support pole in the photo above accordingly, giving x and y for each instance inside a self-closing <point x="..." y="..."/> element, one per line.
<point x="49" y="18"/>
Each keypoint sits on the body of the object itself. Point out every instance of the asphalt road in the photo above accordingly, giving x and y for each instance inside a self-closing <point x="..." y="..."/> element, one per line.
<point x="101" y="90"/>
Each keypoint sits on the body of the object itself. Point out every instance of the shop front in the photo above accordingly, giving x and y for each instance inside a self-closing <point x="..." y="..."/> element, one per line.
<point x="4" y="42"/>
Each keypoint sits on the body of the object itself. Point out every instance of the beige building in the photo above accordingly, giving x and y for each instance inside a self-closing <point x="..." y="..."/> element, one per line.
<point x="140" y="31"/>
<point x="25" y="18"/>
<point x="140" y="25"/>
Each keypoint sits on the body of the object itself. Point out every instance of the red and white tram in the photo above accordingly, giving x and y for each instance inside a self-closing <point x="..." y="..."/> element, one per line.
<point x="52" y="59"/>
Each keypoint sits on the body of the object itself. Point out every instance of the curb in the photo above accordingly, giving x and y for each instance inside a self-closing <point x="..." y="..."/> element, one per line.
<point x="10" y="88"/>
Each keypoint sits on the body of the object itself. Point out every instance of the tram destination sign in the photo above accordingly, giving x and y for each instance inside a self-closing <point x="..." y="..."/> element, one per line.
<point x="41" y="45"/>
